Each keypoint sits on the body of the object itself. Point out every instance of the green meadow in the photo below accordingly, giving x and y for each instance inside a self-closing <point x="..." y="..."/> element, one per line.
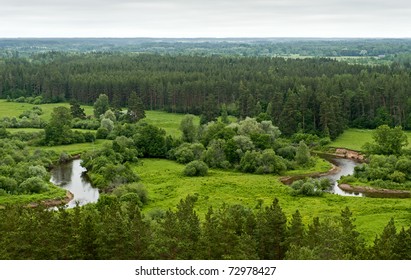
<point x="170" y="122"/>
<point x="355" y="139"/>
<point x="14" y="109"/>
<point x="166" y="186"/>
<point x="74" y="149"/>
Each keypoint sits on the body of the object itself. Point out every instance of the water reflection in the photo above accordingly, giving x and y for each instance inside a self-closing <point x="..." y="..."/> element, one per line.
<point x="346" y="167"/>
<point x="69" y="176"/>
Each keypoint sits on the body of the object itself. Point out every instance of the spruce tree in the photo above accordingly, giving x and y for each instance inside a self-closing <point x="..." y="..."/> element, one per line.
<point x="271" y="232"/>
<point x="135" y="108"/>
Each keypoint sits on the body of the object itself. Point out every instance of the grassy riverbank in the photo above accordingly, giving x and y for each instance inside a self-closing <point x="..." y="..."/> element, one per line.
<point x="54" y="192"/>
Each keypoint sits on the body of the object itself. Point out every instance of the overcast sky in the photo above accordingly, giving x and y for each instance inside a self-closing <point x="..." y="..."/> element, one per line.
<point x="208" y="18"/>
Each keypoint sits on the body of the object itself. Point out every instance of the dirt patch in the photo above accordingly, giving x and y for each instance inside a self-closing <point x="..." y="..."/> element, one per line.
<point x="371" y="192"/>
<point x="350" y="154"/>
<point x="53" y="202"/>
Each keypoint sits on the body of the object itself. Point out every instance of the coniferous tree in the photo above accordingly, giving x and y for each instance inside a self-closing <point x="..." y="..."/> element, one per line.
<point x="135" y="108"/>
<point x="384" y="244"/>
<point x="76" y="110"/>
<point x="271" y="232"/>
<point x="352" y="245"/>
<point x="296" y="231"/>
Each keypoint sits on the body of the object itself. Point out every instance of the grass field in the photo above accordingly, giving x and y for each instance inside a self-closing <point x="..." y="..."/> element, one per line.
<point x="355" y="138"/>
<point x="170" y="122"/>
<point x="75" y="149"/>
<point x="14" y="109"/>
<point x="167" y="186"/>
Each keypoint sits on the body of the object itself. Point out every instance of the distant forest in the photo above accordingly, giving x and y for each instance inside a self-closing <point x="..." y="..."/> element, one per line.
<point x="337" y="47"/>
<point x="315" y="95"/>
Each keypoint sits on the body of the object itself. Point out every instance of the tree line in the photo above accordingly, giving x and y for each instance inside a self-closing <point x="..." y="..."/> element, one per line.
<point x="321" y="96"/>
<point x="115" y="229"/>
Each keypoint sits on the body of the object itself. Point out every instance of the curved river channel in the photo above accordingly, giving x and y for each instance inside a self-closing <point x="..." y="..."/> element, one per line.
<point x="346" y="167"/>
<point x="70" y="176"/>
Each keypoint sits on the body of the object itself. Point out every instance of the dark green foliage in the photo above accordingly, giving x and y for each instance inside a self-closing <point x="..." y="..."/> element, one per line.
<point x="178" y="233"/>
<point x="390" y="172"/>
<point x="109" y="167"/>
<point x="224" y="114"/>
<point x="150" y="140"/>
<point x="76" y="110"/>
<point x="22" y="172"/>
<point x="310" y="186"/>
<point x="188" y="152"/>
<point x="102" y="133"/>
<point x="302" y="154"/>
<point x="58" y="131"/>
<point x="318" y="96"/>
<point x="134" y="188"/>
<point x="196" y="168"/>
<point x="384" y="244"/>
<point x="262" y="162"/>
<point x="352" y="244"/>
<point x="135" y="108"/>
<point x="214" y="156"/>
<point x="387" y="141"/>
<point x="114" y="228"/>
<point x="101" y="105"/>
<point x="296" y="231"/>
<point x="188" y="129"/>
<point x="271" y="232"/>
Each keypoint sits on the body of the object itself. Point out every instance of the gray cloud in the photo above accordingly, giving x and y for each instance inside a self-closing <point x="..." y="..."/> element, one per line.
<point x="216" y="18"/>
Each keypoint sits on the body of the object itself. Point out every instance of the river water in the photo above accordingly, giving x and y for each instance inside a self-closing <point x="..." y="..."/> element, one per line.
<point x="346" y="167"/>
<point x="70" y="176"/>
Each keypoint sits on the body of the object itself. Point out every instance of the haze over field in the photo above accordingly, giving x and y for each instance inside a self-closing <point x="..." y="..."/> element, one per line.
<point x="212" y="18"/>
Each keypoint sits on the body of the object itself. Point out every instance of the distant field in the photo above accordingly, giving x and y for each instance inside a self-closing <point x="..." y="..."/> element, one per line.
<point x="167" y="186"/>
<point x="75" y="149"/>
<point x="14" y="109"/>
<point x="170" y="122"/>
<point x="355" y="138"/>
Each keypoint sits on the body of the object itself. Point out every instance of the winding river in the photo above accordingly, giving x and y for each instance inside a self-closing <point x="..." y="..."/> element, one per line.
<point x="345" y="167"/>
<point x="70" y="176"/>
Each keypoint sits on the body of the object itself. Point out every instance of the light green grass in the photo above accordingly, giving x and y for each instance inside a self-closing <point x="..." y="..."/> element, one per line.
<point x="170" y="122"/>
<point x="74" y="149"/>
<point x="321" y="166"/>
<point x="14" y="109"/>
<point x="167" y="186"/>
<point x="355" y="139"/>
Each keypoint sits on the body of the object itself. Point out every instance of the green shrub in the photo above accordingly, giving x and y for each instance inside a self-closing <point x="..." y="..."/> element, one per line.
<point x="33" y="185"/>
<point x="134" y="188"/>
<point x="196" y="168"/>
<point x="101" y="133"/>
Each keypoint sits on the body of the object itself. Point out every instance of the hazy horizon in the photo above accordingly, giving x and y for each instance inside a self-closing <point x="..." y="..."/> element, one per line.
<point x="205" y="19"/>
